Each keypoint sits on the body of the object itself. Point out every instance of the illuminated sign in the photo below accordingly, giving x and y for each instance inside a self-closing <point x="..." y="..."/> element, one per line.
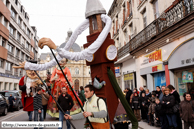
<point x="155" y="56"/>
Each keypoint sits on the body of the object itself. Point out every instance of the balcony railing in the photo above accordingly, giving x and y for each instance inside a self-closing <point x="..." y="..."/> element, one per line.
<point x="15" y="73"/>
<point x="8" y="72"/>
<point x="171" y="16"/>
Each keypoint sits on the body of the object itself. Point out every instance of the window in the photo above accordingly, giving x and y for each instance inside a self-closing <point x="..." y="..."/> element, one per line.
<point x="19" y="21"/>
<point x="27" y="45"/>
<point x="1" y="63"/>
<point x="76" y="70"/>
<point x="11" y="30"/>
<point x="23" y="41"/>
<point x="8" y="66"/>
<point x="22" y="56"/>
<point x="28" y="32"/>
<point x="126" y="36"/>
<point x="7" y="3"/>
<point x="17" y="52"/>
<point x="19" y="5"/>
<point x="10" y="86"/>
<point x="24" y="27"/>
<point x="10" y="48"/>
<point x="3" y="43"/>
<point x="18" y="36"/>
<point x="156" y="10"/>
<point x="26" y="57"/>
<point x="13" y="13"/>
<point x="144" y="19"/>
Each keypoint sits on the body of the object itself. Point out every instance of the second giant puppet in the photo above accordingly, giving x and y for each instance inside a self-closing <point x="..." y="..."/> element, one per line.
<point x="58" y="82"/>
<point x="103" y="58"/>
<point x="28" y="85"/>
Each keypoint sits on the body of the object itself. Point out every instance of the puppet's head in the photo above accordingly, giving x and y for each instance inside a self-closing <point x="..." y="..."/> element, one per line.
<point x="63" y="62"/>
<point x="30" y="73"/>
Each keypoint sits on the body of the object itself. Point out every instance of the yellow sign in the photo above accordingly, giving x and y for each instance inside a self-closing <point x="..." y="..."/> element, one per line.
<point x="128" y="77"/>
<point x="155" y="56"/>
<point x="156" y="68"/>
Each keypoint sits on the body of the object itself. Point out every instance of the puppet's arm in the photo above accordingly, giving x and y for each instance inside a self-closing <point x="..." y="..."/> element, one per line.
<point x="39" y="67"/>
<point x="87" y="53"/>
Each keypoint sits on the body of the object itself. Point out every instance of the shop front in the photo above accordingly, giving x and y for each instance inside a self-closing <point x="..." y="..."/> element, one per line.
<point x="181" y="63"/>
<point x="152" y="70"/>
<point x="129" y="81"/>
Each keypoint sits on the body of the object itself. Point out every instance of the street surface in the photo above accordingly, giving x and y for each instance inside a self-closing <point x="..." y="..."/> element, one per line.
<point x="79" y="124"/>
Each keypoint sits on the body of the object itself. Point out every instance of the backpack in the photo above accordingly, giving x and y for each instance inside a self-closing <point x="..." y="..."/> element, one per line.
<point x="107" y="117"/>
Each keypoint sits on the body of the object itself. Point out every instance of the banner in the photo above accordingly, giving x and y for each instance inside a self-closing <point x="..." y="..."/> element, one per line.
<point x="159" y="79"/>
<point x="182" y="87"/>
<point x="187" y="77"/>
<point x="117" y="71"/>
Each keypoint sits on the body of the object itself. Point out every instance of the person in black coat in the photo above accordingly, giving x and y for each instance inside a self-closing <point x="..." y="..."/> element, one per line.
<point x="128" y="95"/>
<point x="148" y="96"/>
<point x="11" y="100"/>
<point x="158" y="91"/>
<point x="136" y="106"/>
<point x="177" y="101"/>
<point x="168" y="102"/>
<point x="66" y="103"/>
<point x="144" y="107"/>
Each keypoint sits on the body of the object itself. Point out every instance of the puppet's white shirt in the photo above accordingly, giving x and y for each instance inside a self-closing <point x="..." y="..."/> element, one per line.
<point x="28" y="84"/>
<point x="85" y="54"/>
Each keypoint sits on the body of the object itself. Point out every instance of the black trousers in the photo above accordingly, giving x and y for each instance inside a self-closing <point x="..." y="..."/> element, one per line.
<point x="44" y="109"/>
<point x="11" y="108"/>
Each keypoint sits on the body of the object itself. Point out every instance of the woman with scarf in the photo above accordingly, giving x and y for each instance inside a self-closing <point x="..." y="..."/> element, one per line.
<point x="187" y="111"/>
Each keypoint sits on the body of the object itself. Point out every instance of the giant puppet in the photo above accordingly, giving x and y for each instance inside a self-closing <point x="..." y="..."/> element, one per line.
<point x="100" y="53"/>
<point x="28" y="85"/>
<point x="58" y="81"/>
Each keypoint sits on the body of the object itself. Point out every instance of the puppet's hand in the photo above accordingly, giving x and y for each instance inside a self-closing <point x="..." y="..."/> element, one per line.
<point x="39" y="82"/>
<point x="46" y="41"/>
<point x="21" y="65"/>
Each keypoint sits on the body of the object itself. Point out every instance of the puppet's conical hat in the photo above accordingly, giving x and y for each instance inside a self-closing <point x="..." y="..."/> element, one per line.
<point x="94" y="7"/>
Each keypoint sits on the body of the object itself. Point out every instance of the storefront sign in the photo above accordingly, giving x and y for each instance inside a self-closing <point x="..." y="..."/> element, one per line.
<point x="117" y="71"/>
<point x="128" y="76"/>
<point x="152" y="57"/>
<point x="187" y="61"/>
<point x="157" y="68"/>
<point x="9" y="76"/>
<point x="187" y="77"/>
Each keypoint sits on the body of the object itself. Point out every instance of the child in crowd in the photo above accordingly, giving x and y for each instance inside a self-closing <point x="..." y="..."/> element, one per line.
<point x="136" y="106"/>
<point x="38" y="108"/>
<point x="151" y="110"/>
<point x="158" y="111"/>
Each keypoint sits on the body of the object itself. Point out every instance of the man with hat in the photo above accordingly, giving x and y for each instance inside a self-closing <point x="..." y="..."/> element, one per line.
<point x="27" y="96"/>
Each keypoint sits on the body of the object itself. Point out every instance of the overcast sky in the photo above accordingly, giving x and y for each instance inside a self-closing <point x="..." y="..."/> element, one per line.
<point x="53" y="18"/>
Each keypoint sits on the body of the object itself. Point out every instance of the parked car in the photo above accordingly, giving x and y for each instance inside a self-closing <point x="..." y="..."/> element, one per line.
<point x="3" y="105"/>
<point x="16" y="94"/>
<point x="3" y="93"/>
